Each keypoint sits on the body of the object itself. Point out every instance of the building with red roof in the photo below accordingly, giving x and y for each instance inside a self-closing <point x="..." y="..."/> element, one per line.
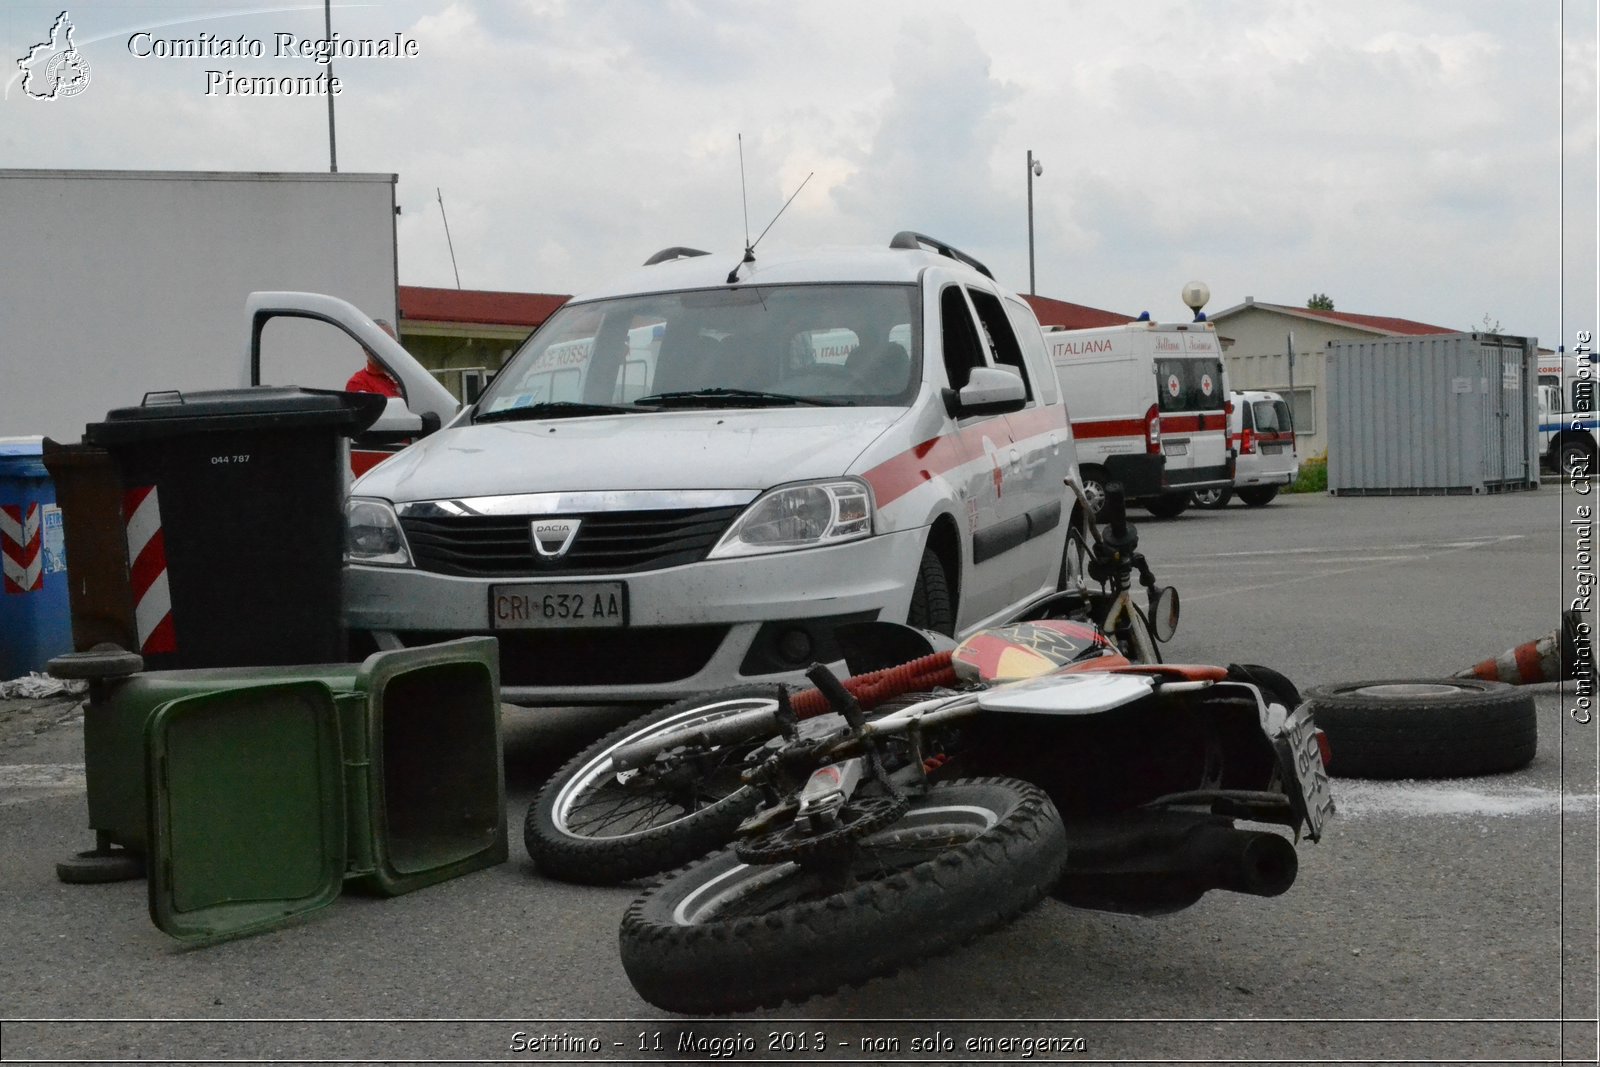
<point x="1069" y="316"/>
<point x="1257" y="338"/>
<point x="465" y="335"/>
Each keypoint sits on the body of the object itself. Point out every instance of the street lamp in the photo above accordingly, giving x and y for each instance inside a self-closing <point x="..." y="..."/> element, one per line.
<point x="1035" y="168"/>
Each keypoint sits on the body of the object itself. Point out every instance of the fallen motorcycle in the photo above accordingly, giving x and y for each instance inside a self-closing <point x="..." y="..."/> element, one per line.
<point x="599" y="822"/>
<point x="880" y="820"/>
<point x="880" y="842"/>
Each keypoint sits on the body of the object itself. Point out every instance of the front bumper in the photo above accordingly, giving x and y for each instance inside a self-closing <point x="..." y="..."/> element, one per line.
<point x="690" y="628"/>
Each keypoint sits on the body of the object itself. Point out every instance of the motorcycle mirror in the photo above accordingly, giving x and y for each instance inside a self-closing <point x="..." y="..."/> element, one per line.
<point x="1164" y="612"/>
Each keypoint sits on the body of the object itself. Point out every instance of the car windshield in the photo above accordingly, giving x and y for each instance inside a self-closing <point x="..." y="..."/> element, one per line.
<point x="743" y="346"/>
<point x="1190" y="384"/>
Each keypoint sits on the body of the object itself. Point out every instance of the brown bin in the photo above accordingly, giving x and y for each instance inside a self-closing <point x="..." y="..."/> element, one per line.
<point x="89" y="493"/>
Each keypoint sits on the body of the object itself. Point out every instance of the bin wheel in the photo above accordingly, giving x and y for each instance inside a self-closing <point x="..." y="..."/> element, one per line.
<point x="98" y="866"/>
<point x="103" y="661"/>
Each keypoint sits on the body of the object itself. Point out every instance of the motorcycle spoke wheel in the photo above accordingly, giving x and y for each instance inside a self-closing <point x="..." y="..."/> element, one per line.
<point x="591" y="823"/>
<point x="722" y="935"/>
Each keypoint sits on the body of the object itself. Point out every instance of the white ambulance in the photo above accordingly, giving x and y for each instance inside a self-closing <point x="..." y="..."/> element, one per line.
<point x="1149" y="408"/>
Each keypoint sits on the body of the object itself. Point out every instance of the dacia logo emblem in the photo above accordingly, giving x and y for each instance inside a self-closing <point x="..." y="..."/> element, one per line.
<point x="553" y="537"/>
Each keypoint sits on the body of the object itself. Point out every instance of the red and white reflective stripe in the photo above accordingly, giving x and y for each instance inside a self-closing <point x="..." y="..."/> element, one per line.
<point x="147" y="573"/>
<point x="20" y="558"/>
<point x="938" y="456"/>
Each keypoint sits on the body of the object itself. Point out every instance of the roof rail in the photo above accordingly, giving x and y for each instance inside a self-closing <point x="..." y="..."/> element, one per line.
<point x="675" y="252"/>
<point x="910" y="239"/>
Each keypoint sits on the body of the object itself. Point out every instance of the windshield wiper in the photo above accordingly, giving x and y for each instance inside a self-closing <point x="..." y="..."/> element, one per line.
<point x="720" y="395"/>
<point x="554" y="409"/>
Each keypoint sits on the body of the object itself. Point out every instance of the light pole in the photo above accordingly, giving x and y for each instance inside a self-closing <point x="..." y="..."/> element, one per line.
<point x="1035" y="168"/>
<point x="333" y="153"/>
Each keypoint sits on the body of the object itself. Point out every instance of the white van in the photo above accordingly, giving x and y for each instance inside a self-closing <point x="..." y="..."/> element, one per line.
<point x="1569" y="432"/>
<point x="1148" y="406"/>
<point x="1261" y="437"/>
<point x="690" y="477"/>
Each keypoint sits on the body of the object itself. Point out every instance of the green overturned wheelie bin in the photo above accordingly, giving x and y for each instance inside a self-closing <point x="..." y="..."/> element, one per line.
<point x="252" y="795"/>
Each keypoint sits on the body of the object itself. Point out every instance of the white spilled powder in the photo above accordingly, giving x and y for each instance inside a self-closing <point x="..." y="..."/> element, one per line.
<point x="1456" y="798"/>
<point x="41" y="775"/>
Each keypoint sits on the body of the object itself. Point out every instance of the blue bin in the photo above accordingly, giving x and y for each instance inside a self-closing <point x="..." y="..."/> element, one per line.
<point x="35" y="612"/>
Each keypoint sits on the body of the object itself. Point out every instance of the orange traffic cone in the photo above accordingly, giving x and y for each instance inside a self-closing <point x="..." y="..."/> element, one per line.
<point x="1562" y="654"/>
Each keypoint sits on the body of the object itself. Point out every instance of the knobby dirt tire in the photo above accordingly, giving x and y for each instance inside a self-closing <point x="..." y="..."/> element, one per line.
<point x="1425" y="728"/>
<point x="563" y="832"/>
<point x="687" y="947"/>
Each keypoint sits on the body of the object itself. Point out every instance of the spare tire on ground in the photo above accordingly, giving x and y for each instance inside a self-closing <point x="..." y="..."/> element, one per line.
<point x="1425" y="727"/>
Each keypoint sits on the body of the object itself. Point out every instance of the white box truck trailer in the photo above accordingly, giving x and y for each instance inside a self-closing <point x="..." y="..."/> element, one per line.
<point x="119" y="283"/>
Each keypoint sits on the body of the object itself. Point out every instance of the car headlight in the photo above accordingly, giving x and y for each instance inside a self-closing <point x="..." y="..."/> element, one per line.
<point x="372" y="534"/>
<point x="800" y="516"/>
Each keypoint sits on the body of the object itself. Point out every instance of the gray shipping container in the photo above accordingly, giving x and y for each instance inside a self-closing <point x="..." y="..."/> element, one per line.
<point x="1444" y="413"/>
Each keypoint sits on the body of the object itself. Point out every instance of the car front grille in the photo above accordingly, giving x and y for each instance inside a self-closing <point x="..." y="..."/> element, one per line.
<point x="608" y="543"/>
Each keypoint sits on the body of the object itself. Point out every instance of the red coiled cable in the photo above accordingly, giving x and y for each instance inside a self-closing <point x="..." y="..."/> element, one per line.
<point x="873" y="689"/>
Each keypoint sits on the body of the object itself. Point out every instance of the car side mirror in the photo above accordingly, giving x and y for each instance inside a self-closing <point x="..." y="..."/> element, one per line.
<point x="989" y="391"/>
<point x="399" y="419"/>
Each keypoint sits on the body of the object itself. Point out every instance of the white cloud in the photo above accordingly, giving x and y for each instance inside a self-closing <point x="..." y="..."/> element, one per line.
<point x="1402" y="156"/>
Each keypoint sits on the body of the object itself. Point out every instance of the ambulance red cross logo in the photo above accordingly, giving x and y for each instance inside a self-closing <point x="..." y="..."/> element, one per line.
<point x="1205" y="384"/>
<point x="1174" y="387"/>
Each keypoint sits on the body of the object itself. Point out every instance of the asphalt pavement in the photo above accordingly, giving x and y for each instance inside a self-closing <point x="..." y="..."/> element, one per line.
<point x="1441" y="921"/>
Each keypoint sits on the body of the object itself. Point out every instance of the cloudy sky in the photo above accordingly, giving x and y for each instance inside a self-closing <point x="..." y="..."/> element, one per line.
<point x="1431" y="159"/>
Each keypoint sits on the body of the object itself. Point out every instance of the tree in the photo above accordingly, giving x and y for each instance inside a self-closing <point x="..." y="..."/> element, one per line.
<point x="1320" y="302"/>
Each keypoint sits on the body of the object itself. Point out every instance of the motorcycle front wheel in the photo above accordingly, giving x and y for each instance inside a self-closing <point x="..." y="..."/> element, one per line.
<point x="723" y="936"/>
<point x="593" y="824"/>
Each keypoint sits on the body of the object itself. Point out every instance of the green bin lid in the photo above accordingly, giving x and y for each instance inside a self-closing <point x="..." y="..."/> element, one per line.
<point x="247" y="809"/>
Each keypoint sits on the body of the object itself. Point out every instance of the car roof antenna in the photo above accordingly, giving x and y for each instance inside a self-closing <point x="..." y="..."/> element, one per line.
<point x="749" y="245"/>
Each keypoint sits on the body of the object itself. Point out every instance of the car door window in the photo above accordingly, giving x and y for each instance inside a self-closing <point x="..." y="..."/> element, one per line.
<point x="962" y="348"/>
<point x="1002" y="341"/>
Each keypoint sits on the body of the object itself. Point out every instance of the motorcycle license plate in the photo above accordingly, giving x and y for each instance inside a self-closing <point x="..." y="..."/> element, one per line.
<point x="1313" y="790"/>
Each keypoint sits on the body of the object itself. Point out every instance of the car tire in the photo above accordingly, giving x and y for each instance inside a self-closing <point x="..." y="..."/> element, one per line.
<point x="1168" y="505"/>
<point x="1259" y="495"/>
<point x="1212" y="499"/>
<point x="1094" y="490"/>
<point x="1575" y="454"/>
<point x="1425" y="728"/>
<point x="932" y="606"/>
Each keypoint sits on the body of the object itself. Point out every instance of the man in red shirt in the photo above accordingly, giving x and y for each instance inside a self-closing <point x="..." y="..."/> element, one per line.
<point x="373" y="378"/>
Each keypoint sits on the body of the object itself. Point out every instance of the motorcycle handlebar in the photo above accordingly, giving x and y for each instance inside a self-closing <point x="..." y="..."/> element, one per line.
<point x="1115" y="511"/>
<point x="837" y="695"/>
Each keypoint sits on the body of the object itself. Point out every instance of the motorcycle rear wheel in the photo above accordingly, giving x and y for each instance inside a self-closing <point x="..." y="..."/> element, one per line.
<point x="592" y="825"/>
<point x="724" y="936"/>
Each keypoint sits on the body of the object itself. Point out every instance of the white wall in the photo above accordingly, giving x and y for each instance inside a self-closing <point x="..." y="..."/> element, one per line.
<point x="117" y="283"/>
